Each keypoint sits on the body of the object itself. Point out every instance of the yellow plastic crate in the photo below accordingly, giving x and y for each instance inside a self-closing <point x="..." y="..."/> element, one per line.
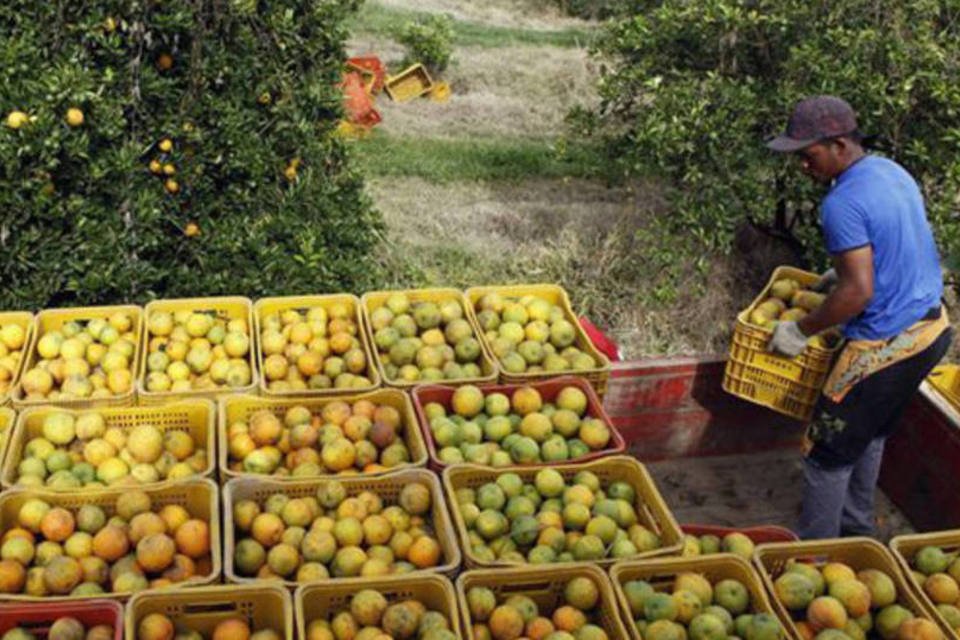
<point x="771" y="560"/>
<point x="198" y="497"/>
<point x="323" y="599"/>
<point x="412" y="82"/>
<point x="235" y="408"/>
<point x="652" y="510"/>
<point x="24" y="319"/>
<point x="544" y="584"/>
<point x="946" y="380"/>
<point x="387" y="487"/>
<point x="555" y="295"/>
<point x="661" y="574"/>
<point x="905" y="547"/>
<point x="54" y="319"/>
<point x="229" y="307"/>
<point x="197" y="417"/>
<point x="376" y="299"/>
<point x="264" y="606"/>
<point x="265" y="306"/>
<point x="789" y="386"/>
<point x="8" y="420"/>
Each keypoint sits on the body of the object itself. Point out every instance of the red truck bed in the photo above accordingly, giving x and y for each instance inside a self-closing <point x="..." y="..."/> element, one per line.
<point x="715" y="455"/>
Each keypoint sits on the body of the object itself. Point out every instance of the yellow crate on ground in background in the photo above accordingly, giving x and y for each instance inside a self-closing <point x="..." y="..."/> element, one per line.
<point x="660" y="573"/>
<point x="53" y="320"/>
<point x="412" y="82"/>
<point x="387" y="487"/>
<point x="265" y="306"/>
<point x="906" y="546"/>
<point x="227" y="307"/>
<point x="264" y="606"/>
<point x="239" y="408"/>
<point x="320" y="600"/>
<point x="544" y="584"/>
<point x="598" y="376"/>
<point x="789" y="386"/>
<point x="25" y="320"/>
<point x="199" y="497"/>
<point x="771" y="560"/>
<point x="197" y="417"/>
<point x="652" y="510"/>
<point x="375" y="299"/>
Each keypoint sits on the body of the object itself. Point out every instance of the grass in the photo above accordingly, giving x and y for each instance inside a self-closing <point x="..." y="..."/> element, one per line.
<point x="451" y="159"/>
<point x="378" y="20"/>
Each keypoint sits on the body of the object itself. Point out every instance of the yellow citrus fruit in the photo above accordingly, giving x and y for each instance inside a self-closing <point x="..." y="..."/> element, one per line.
<point x="74" y="117"/>
<point x="16" y="119"/>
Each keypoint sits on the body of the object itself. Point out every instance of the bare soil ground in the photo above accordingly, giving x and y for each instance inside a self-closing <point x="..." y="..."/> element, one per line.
<point x="749" y="490"/>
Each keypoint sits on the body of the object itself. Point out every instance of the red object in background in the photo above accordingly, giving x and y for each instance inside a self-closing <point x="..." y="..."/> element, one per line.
<point x="37" y="617"/>
<point x="372" y="65"/>
<point x="357" y="102"/>
<point x="601" y="341"/>
<point x="758" y="534"/>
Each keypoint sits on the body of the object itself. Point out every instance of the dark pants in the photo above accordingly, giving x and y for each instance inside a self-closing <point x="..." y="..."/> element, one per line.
<point x="841" y="470"/>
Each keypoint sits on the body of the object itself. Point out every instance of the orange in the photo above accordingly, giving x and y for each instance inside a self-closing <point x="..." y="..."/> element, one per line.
<point x="12" y="576"/>
<point x="173" y="516"/>
<point x="62" y="574"/>
<point x="539" y="628"/>
<point x="506" y="623"/>
<point x="155" y="552"/>
<point x="336" y="412"/>
<point x="155" y="626"/>
<point x="193" y="538"/>
<point x="181" y="569"/>
<point x="364" y="408"/>
<point x="231" y="629"/>
<point x="424" y="552"/>
<point x="341" y="342"/>
<point x="143" y="524"/>
<point x="57" y="525"/>
<point x="267" y="529"/>
<point x="387" y="415"/>
<point x="110" y="543"/>
<point x="569" y="619"/>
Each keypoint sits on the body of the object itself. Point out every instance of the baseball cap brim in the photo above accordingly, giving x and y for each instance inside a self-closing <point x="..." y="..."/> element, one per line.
<point x="786" y="144"/>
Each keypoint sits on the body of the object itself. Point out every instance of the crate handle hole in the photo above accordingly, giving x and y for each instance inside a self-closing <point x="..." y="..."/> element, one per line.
<point x="526" y="587"/>
<point x="210" y="607"/>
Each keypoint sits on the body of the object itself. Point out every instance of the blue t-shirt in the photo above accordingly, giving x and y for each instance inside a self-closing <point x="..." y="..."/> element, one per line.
<point x="876" y="202"/>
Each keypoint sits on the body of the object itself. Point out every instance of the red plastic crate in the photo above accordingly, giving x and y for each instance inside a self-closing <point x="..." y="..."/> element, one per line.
<point x="38" y="617"/>
<point x="549" y="389"/>
<point x="759" y="535"/>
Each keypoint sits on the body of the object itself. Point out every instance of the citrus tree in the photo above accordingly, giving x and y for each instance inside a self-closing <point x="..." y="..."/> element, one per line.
<point x="691" y="90"/>
<point x="175" y="148"/>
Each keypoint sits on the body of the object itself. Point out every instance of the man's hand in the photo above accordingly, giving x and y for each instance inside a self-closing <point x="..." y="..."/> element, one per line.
<point x="827" y="281"/>
<point x="849" y="297"/>
<point x="787" y="340"/>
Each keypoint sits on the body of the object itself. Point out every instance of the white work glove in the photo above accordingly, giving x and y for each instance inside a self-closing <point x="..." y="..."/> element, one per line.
<point x="827" y="281"/>
<point x="787" y="339"/>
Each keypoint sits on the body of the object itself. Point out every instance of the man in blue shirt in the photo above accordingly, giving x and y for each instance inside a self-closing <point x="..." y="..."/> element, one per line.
<point x="886" y="289"/>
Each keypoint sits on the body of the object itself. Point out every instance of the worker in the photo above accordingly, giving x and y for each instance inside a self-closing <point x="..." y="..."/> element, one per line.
<point x="885" y="291"/>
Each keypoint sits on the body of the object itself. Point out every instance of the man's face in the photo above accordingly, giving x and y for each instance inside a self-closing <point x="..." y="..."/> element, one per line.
<point x="820" y="161"/>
